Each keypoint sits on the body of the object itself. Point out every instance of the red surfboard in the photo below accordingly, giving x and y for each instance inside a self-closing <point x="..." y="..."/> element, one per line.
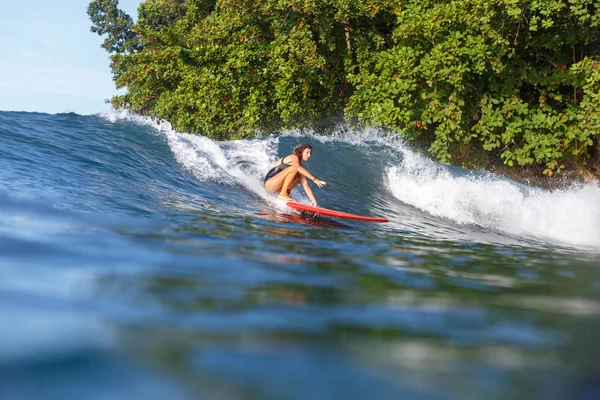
<point x="332" y="213"/>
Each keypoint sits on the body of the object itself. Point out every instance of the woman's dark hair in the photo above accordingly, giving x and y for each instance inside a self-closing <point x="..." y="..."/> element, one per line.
<point x="298" y="150"/>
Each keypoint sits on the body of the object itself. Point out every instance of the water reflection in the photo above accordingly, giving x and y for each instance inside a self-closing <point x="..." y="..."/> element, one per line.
<point x="457" y="320"/>
<point x="252" y="306"/>
<point x="304" y="218"/>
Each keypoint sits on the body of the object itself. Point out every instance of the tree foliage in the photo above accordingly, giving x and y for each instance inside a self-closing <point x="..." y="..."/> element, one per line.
<point x="108" y="20"/>
<point x="517" y="78"/>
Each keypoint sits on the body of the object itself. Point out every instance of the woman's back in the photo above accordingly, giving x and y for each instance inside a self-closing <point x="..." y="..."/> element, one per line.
<point x="282" y="161"/>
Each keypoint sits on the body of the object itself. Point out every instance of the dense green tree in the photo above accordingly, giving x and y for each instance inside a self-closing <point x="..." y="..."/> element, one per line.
<point x="109" y="20"/>
<point x="519" y="79"/>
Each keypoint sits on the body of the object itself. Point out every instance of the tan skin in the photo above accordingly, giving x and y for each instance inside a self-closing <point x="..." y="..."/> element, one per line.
<point x="290" y="177"/>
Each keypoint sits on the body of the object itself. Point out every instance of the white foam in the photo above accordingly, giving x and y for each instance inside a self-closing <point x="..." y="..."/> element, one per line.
<point x="231" y="162"/>
<point x="353" y="137"/>
<point x="570" y="216"/>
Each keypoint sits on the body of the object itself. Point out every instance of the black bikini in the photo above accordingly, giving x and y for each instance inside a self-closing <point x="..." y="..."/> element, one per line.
<point x="277" y="169"/>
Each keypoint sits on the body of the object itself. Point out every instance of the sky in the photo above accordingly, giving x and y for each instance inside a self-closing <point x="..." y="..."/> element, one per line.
<point x="50" y="61"/>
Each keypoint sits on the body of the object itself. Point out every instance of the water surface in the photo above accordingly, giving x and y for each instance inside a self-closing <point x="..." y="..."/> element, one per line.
<point x="138" y="262"/>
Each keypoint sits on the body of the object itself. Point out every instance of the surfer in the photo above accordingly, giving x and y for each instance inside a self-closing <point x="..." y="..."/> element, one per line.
<point x="288" y="172"/>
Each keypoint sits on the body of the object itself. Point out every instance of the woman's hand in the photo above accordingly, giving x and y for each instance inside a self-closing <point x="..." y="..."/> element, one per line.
<point x="319" y="182"/>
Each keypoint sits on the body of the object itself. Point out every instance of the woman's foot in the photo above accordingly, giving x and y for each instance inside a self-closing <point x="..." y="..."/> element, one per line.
<point x="285" y="197"/>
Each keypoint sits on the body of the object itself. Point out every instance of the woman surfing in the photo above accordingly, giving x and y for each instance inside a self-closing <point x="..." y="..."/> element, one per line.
<point x="288" y="172"/>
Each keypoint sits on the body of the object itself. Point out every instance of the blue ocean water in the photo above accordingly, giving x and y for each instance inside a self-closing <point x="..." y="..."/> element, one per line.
<point x="138" y="262"/>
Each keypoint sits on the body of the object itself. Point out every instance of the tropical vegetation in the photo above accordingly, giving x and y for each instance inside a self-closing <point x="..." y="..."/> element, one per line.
<point x="518" y="80"/>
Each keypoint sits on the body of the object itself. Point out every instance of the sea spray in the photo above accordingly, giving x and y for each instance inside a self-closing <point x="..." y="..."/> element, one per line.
<point x="570" y="216"/>
<point x="241" y="162"/>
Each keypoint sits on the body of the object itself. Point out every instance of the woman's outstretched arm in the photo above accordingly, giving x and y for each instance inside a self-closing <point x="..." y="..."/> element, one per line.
<point x="308" y="191"/>
<point x="296" y="163"/>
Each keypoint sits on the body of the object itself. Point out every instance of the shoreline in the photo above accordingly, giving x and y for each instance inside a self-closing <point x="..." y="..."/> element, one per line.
<point x="534" y="176"/>
<point x="474" y="158"/>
